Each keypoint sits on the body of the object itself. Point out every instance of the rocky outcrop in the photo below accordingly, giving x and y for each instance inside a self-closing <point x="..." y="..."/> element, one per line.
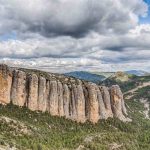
<point x="93" y="107"/>
<point x="107" y="101"/>
<point x="42" y="100"/>
<point x="117" y="103"/>
<point x="5" y="84"/>
<point x="60" y="96"/>
<point x="32" y="101"/>
<point x="18" y="89"/>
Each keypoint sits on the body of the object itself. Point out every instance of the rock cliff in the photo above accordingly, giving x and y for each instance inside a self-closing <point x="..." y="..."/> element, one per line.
<point x="60" y="95"/>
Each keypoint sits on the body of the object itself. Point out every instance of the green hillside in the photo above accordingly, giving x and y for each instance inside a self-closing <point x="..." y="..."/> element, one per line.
<point x="106" y="74"/>
<point x="125" y="81"/>
<point x="26" y="130"/>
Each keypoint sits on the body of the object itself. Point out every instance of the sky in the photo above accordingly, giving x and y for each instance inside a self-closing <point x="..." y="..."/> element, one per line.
<point x="73" y="35"/>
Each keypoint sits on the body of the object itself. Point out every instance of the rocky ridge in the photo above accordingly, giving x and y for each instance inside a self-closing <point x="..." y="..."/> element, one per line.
<point x="60" y="95"/>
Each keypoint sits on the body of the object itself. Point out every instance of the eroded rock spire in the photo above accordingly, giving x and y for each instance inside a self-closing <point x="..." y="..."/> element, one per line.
<point x="60" y="96"/>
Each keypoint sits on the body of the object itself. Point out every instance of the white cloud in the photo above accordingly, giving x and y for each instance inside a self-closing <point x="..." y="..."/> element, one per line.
<point x="48" y="17"/>
<point x="75" y="35"/>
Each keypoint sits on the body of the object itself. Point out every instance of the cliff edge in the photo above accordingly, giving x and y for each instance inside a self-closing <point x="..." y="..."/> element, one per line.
<point x="60" y="95"/>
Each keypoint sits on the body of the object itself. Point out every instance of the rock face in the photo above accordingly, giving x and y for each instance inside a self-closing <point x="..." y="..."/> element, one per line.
<point x="118" y="106"/>
<point x="33" y="92"/>
<point x="18" y="90"/>
<point x="93" y="107"/>
<point x="60" y="96"/>
<point x="5" y="84"/>
<point x="107" y="101"/>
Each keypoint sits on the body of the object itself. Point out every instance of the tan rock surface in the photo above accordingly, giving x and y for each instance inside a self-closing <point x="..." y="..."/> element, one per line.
<point x="5" y="84"/>
<point x="117" y="102"/>
<point x="33" y="92"/>
<point x="18" y="90"/>
<point x="60" y="96"/>
<point x="60" y="99"/>
<point x="53" y="98"/>
<point x="106" y="99"/>
<point x="80" y="104"/>
<point x="93" y="103"/>
<point x="102" y="109"/>
<point x="42" y="101"/>
<point x="66" y="99"/>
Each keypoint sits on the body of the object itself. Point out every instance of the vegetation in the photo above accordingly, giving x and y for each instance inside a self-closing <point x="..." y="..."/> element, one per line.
<point x="105" y="74"/>
<point x="132" y="82"/>
<point x="27" y="130"/>
<point x="52" y="133"/>
<point x="143" y="93"/>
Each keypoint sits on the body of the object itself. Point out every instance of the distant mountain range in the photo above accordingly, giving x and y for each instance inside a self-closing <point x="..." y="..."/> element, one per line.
<point x="83" y="75"/>
<point x="97" y="77"/>
<point x="138" y="72"/>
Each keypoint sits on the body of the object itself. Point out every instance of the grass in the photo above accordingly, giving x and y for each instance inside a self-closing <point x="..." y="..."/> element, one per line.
<point x="53" y="133"/>
<point x="45" y="132"/>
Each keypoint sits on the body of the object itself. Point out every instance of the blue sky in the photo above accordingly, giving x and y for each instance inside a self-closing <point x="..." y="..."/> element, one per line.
<point x="8" y="36"/>
<point x="146" y="19"/>
<point x="104" y="35"/>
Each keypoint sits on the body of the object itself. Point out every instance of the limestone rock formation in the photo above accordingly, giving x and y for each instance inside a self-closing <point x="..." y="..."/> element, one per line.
<point x="18" y="90"/>
<point x="93" y="103"/>
<point x="53" y="98"/>
<point x="66" y="99"/>
<point x="60" y="95"/>
<point x="32" y="101"/>
<point x="117" y="102"/>
<point x="5" y="84"/>
<point x="60" y="99"/>
<point x="42" y="101"/>
<point x="107" y="102"/>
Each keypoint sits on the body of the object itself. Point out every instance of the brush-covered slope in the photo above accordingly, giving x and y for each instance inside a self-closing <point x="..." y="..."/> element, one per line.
<point x="126" y="81"/>
<point x="105" y="74"/>
<point x="28" y="130"/>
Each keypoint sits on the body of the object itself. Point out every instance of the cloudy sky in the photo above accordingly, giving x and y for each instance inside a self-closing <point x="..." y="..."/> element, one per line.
<point x="68" y="35"/>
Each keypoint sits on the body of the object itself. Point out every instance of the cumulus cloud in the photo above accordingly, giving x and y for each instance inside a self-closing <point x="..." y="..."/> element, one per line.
<point x="69" y="17"/>
<point x="74" y="35"/>
<point x="93" y="45"/>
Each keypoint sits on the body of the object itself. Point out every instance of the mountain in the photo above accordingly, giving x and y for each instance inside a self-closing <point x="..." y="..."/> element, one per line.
<point x="105" y="74"/>
<point x="25" y="125"/>
<point x="87" y="76"/>
<point x="125" y="81"/>
<point x="137" y="72"/>
<point x="120" y="78"/>
<point x="60" y="95"/>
